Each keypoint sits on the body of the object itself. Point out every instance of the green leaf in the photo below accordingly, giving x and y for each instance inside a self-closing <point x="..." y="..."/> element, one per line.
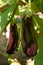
<point x="39" y="22"/>
<point x="7" y="15"/>
<point x="39" y="4"/>
<point x="39" y="57"/>
<point x="34" y="8"/>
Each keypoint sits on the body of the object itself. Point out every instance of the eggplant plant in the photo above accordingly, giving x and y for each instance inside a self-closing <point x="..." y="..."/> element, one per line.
<point x="27" y="13"/>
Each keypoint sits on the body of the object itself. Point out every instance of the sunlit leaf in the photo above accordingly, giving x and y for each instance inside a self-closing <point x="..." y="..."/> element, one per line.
<point x="6" y="15"/>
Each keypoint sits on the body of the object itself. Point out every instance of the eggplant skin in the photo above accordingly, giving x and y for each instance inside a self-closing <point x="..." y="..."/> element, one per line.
<point x="32" y="51"/>
<point x="13" y="40"/>
<point x="29" y="37"/>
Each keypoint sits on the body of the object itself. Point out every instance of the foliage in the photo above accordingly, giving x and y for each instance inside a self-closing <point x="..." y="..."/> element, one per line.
<point x="9" y="9"/>
<point x="13" y="11"/>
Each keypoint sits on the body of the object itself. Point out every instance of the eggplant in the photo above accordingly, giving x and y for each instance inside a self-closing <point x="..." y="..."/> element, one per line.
<point x="13" y="39"/>
<point x="29" y="37"/>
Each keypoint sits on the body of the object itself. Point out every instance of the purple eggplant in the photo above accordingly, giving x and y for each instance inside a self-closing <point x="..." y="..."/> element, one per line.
<point x="13" y="40"/>
<point x="29" y="37"/>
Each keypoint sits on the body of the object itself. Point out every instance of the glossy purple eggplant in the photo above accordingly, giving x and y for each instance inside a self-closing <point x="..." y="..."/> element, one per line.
<point x="13" y="41"/>
<point x="29" y="37"/>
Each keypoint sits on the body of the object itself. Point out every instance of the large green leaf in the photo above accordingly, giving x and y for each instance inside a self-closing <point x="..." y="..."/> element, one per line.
<point x="5" y="17"/>
<point x="39" y="58"/>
